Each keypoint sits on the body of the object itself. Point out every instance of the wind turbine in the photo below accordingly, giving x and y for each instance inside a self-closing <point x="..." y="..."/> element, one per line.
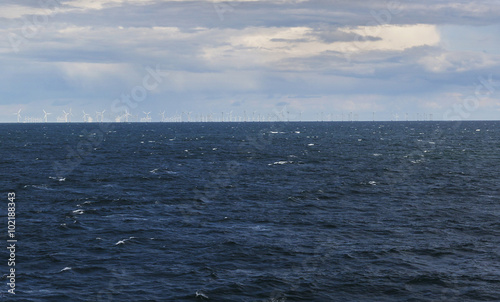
<point x="70" y="114"/>
<point x="100" y="114"/>
<point x="85" y="115"/>
<point x="46" y="114"/>
<point x="18" y="115"/>
<point x="65" y="116"/>
<point x="162" y="116"/>
<point x="127" y="115"/>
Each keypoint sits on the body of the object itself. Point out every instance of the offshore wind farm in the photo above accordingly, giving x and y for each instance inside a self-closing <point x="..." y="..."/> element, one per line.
<point x="283" y="115"/>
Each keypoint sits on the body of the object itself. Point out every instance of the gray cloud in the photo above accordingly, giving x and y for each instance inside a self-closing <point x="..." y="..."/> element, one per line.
<point x="244" y="55"/>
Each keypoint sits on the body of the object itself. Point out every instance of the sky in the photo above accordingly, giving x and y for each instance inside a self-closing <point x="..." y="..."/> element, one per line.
<point x="294" y="59"/>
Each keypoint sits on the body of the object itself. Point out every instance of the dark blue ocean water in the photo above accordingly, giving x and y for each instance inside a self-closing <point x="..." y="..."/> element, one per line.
<point x="365" y="211"/>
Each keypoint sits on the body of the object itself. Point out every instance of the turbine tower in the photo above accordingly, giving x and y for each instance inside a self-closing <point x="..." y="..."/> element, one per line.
<point x="86" y="117"/>
<point x="127" y="115"/>
<point x="101" y="114"/>
<point x="18" y="115"/>
<point x="147" y="119"/>
<point x="46" y="114"/>
<point x="65" y="116"/>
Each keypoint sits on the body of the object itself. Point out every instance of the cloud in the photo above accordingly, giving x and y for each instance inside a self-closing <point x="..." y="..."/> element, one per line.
<point x="452" y="62"/>
<point x="251" y="47"/>
<point x="309" y="54"/>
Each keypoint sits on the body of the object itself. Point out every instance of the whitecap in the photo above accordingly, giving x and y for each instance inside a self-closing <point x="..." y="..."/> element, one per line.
<point x="201" y="294"/>
<point x="79" y="212"/>
<point x="41" y="187"/>
<point x="123" y="241"/>
<point x="478" y="130"/>
<point x="377" y="154"/>
<point x="259" y="228"/>
<point x="205" y="200"/>
<point x="373" y="183"/>
<point x="310" y="145"/>
<point x="66" y="269"/>
<point x="281" y="162"/>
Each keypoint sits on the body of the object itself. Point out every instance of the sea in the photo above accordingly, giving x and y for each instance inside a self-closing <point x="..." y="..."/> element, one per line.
<point x="256" y="211"/>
